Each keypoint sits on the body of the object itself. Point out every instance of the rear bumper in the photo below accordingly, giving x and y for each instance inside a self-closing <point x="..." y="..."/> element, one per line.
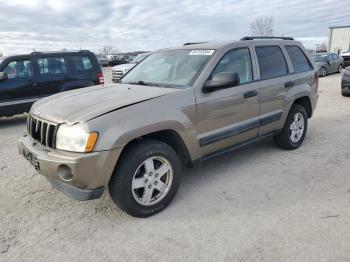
<point x="79" y="175"/>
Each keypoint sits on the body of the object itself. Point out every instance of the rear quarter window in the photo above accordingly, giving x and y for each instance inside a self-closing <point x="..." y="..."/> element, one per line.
<point x="299" y="60"/>
<point x="271" y="62"/>
<point x="82" y="63"/>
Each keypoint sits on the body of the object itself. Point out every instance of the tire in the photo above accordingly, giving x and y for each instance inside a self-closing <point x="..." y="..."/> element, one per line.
<point x="323" y="72"/>
<point x="131" y="172"/>
<point x="340" y="68"/>
<point x="284" y="139"/>
<point x="345" y="94"/>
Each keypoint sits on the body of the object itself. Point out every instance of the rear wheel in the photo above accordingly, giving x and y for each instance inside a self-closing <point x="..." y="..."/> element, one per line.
<point x="146" y="179"/>
<point x="345" y="94"/>
<point x="323" y="72"/>
<point x="294" y="130"/>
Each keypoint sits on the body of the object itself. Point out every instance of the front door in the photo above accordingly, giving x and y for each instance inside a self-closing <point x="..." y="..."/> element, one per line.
<point x="17" y="93"/>
<point x="229" y="116"/>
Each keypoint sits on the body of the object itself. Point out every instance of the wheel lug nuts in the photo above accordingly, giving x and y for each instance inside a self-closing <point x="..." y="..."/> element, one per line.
<point x="149" y="187"/>
<point x="146" y="181"/>
<point x="150" y="174"/>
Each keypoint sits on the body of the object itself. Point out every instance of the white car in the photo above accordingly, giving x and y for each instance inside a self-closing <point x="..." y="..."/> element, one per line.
<point x="120" y="70"/>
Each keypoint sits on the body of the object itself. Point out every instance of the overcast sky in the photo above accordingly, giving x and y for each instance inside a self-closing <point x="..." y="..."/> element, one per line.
<point x="152" y="24"/>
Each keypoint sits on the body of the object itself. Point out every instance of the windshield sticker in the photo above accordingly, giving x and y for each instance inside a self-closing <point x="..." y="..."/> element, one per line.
<point x="201" y="52"/>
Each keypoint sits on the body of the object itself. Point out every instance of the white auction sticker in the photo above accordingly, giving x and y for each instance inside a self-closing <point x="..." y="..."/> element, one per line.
<point x="201" y="52"/>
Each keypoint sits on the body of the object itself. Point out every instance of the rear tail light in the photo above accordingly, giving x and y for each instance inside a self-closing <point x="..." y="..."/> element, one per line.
<point x="317" y="80"/>
<point x="100" y="78"/>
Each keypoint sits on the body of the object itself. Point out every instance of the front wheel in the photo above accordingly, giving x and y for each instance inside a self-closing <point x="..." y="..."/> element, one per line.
<point x="340" y="68"/>
<point x="294" y="130"/>
<point x="146" y="178"/>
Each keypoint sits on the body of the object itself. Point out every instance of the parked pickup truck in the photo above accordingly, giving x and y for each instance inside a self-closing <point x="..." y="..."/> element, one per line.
<point x="179" y="107"/>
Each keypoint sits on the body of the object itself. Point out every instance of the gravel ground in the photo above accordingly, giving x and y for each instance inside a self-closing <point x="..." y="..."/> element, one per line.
<point x="257" y="204"/>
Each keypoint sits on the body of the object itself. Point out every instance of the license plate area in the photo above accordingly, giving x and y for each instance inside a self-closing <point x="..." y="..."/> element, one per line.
<point x="32" y="159"/>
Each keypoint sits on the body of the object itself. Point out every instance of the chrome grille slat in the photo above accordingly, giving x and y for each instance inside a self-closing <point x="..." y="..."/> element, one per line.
<point x="42" y="131"/>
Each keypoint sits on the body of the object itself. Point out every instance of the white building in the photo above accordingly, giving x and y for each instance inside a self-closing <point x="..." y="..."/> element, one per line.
<point x="339" y="39"/>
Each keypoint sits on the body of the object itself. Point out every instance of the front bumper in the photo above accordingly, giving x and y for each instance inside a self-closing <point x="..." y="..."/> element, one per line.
<point x="81" y="176"/>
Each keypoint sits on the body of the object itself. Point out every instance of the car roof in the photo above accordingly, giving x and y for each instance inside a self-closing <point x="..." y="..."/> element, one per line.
<point x="65" y="52"/>
<point x="219" y="45"/>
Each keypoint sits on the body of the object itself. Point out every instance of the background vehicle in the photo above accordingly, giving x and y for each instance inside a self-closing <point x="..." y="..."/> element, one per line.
<point x="180" y="106"/>
<point x="102" y="59"/>
<point x="120" y="70"/>
<point x="346" y="58"/>
<point x="118" y="59"/>
<point x="328" y="63"/>
<point x="25" y="79"/>
<point x="345" y="83"/>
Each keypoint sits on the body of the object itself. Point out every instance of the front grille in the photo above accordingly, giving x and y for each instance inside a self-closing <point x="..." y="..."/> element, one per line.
<point x="42" y="131"/>
<point x="117" y="74"/>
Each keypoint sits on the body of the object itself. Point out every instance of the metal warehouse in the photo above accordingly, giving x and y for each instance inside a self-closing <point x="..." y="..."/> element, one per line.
<point x="339" y="39"/>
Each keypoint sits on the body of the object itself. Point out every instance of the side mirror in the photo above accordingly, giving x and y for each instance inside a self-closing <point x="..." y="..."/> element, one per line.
<point x="221" y="81"/>
<point x="3" y="76"/>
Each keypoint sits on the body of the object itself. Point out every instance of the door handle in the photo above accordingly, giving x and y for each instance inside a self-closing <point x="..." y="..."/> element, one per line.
<point x="250" y="94"/>
<point x="289" y="84"/>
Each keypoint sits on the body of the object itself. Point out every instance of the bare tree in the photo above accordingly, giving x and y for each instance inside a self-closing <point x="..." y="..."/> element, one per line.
<point x="107" y="50"/>
<point x="262" y="26"/>
<point x="322" y="48"/>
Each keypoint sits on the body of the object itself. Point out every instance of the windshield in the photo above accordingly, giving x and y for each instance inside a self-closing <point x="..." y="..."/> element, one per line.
<point x="175" y="68"/>
<point x="320" y="58"/>
<point x="139" y="58"/>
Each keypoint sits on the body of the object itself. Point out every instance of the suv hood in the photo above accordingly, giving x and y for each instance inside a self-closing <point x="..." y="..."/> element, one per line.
<point x="124" y="66"/>
<point x="87" y="103"/>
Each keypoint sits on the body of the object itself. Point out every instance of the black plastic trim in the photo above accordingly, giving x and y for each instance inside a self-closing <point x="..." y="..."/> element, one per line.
<point x="74" y="192"/>
<point x="210" y="139"/>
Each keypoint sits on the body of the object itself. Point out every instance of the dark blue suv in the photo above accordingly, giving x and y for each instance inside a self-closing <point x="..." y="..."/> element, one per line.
<point x="25" y="79"/>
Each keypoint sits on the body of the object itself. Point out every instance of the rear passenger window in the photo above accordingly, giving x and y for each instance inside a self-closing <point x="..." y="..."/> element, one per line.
<point x="82" y="63"/>
<point x="237" y="61"/>
<point x="298" y="58"/>
<point x="52" y="65"/>
<point x="271" y="62"/>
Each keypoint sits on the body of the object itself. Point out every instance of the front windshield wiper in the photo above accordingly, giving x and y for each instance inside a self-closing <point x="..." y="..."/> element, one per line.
<point x="141" y="83"/>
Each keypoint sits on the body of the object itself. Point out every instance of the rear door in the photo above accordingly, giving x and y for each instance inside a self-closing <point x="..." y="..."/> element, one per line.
<point x="52" y="74"/>
<point x="274" y="83"/>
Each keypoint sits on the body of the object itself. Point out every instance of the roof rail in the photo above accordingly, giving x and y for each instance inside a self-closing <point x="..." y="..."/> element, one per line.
<point x="35" y="53"/>
<point x="266" y="37"/>
<point x="195" y="43"/>
<point x="84" y="51"/>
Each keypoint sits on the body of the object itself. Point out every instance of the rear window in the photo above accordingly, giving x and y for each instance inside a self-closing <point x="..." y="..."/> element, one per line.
<point x="298" y="58"/>
<point x="271" y="62"/>
<point x="52" y="65"/>
<point x="82" y="63"/>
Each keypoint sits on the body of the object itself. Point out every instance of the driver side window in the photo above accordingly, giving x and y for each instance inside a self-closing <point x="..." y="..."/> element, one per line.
<point x="18" y="69"/>
<point x="237" y="61"/>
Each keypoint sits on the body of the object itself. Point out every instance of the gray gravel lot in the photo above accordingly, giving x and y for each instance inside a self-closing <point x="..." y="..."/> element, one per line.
<point x="257" y="204"/>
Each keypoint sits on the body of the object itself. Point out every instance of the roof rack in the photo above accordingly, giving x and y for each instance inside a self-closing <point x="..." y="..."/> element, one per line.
<point x="35" y="53"/>
<point x="266" y="37"/>
<point x="195" y="43"/>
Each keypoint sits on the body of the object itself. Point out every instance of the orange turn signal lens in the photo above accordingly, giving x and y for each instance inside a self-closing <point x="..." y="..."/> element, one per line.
<point x="91" y="142"/>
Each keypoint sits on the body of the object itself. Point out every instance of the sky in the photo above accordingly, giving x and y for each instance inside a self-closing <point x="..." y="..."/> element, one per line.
<point x="127" y="25"/>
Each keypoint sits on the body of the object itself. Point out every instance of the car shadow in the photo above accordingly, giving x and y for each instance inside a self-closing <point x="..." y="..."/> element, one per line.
<point x="12" y="121"/>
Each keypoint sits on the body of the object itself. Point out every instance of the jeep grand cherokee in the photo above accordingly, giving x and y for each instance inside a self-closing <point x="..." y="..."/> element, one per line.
<point x="179" y="106"/>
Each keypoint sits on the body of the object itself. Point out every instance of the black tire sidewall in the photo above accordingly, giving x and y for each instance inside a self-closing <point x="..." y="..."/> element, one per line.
<point x="124" y="173"/>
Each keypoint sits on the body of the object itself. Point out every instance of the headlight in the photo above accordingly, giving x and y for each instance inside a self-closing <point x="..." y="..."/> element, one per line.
<point x="76" y="138"/>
